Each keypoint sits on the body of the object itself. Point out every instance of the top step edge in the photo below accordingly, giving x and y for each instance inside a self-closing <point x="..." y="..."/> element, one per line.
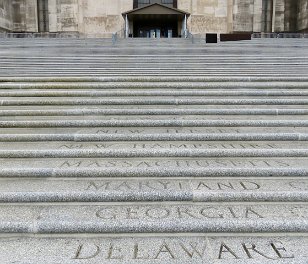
<point x="156" y="79"/>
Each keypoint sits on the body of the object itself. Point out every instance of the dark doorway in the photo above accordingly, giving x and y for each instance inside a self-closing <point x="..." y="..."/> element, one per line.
<point x="155" y="21"/>
<point x="155" y="26"/>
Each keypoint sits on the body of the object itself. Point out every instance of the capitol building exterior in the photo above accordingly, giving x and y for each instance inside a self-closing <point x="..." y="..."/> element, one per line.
<point x="148" y="18"/>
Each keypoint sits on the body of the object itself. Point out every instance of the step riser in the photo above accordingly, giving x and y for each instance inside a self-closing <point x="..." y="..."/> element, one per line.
<point x="131" y="153"/>
<point x="158" y="79"/>
<point x="153" y="123"/>
<point x="121" y="190"/>
<point x="117" y="112"/>
<point x="151" y="137"/>
<point x="157" y="85"/>
<point x="177" y="217"/>
<point x="199" y="249"/>
<point x="155" y="145"/>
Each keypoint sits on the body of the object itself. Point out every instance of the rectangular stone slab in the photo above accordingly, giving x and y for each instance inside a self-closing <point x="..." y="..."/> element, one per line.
<point x="154" y="145"/>
<point x="153" y="130"/>
<point x="150" y="153"/>
<point x="145" y="117"/>
<point x="161" y="249"/>
<point x="149" y="92"/>
<point x="154" y="167"/>
<point x="104" y="190"/>
<point x="90" y="123"/>
<point x="175" y="110"/>
<point x="154" y="218"/>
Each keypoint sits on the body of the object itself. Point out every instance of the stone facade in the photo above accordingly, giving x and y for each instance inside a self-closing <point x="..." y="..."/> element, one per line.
<point x="6" y="16"/>
<point x="103" y="17"/>
<point x="18" y="15"/>
<point x="302" y="22"/>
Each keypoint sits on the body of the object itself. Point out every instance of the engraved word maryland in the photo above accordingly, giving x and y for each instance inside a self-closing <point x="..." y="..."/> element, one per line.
<point x="164" y="185"/>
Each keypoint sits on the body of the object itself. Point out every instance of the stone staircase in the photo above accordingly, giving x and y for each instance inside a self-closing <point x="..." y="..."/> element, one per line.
<point x="153" y="151"/>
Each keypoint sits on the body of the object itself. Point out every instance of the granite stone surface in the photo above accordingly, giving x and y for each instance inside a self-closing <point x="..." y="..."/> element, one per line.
<point x="207" y="249"/>
<point x="170" y="153"/>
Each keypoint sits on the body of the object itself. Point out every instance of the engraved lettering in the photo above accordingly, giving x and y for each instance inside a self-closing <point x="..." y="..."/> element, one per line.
<point x="106" y="131"/>
<point x="203" y="185"/>
<point x="280" y="254"/>
<point x="94" y="164"/>
<point x="96" y="187"/>
<point x="204" y="213"/>
<point x="253" y="213"/>
<point x="282" y="163"/>
<point x="194" y="250"/>
<point x="232" y="212"/>
<point x="136" y="253"/>
<point x="224" y="249"/>
<point x="228" y="186"/>
<point x="144" y="164"/>
<point x="124" y="185"/>
<point x="162" y="185"/>
<point x="105" y="214"/>
<point x="131" y="214"/>
<point x="252" y="247"/>
<point x="135" y="131"/>
<point x="250" y="185"/>
<point x="164" y="248"/>
<point x="114" y="250"/>
<point x="70" y="164"/>
<point x="185" y="211"/>
<point x="178" y="146"/>
<point x="72" y="146"/>
<point x="80" y="255"/>
<point x="101" y="146"/>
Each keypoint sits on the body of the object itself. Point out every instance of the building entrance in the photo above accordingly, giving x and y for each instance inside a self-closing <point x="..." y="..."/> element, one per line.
<point x="156" y="28"/>
<point x="155" y="21"/>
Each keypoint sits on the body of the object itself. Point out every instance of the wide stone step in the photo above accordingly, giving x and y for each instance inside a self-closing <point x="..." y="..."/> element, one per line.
<point x="156" y="79"/>
<point x="150" y="101"/>
<point x="163" y="73"/>
<point x="154" y="134"/>
<point x="156" y="118"/>
<point x="41" y="190"/>
<point x="154" y="167"/>
<point x="161" y="249"/>
<point x="153" y="92"/>
<point x="156" y="145"/>
<point x="130" y="153"/>
<point x="155" y="108"/>
<point x="154" y="123"/>
<point x="156" y="85"/>
<point x="46" y="111"/>
<point x="154" y="218"/>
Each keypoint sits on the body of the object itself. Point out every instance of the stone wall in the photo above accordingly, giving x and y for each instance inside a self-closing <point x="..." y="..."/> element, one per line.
<point x="100" y="18"/>
<point x="302" y="18"/>
<point x="243" y="15"/>
<point x="208" y="15"/>
<point x="63" y="15"/>
<point x="6" y="19"/>
<point x="24" y="15"/>
<point x="87" y="16"/>
<point x="257" y="16"/>
<point x="105" y="18"/>
<point x="279" y="16"/>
